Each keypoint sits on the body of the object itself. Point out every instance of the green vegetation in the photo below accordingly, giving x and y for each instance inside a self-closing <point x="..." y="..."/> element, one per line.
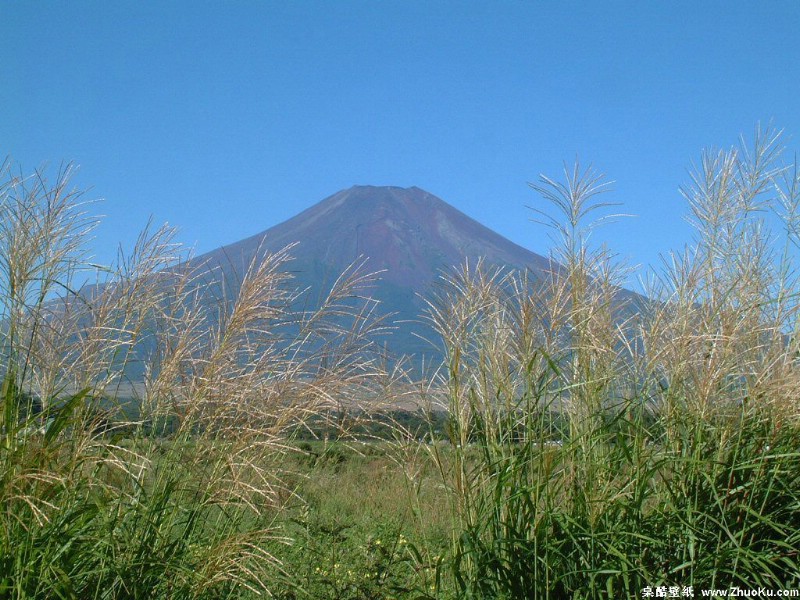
<point x="577" y="442"/>
<point x="678" y="460"/>
<point x="182" y="500"/>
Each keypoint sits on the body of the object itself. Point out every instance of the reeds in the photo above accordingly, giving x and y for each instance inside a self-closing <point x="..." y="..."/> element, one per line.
<point x="173" y="491"/>
<point x="602" y="443"/>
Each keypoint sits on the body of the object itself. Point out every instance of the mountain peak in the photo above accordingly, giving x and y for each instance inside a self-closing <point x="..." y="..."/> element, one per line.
<point x="408" y="233"/>
<point x="373" y="194"/>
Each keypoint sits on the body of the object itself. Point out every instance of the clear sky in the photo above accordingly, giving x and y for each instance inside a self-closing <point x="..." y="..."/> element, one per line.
<point x="226" y="118"/>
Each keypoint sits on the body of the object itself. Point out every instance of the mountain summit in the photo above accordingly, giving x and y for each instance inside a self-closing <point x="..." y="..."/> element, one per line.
<point x="408" y="232"/>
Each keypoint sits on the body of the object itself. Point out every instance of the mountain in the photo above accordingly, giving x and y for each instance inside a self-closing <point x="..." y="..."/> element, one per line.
<point x="409" y="232"/>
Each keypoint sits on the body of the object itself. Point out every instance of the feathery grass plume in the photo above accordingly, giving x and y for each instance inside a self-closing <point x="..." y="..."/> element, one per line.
<point x="531" y="366"/>
<point x="597" y="449"/>
<point x="173" y="492"/>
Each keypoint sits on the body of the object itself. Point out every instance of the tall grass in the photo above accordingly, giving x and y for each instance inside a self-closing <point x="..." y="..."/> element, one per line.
<point x="599" y="442"/>
<point x="602" y="443"/>
<point x="175" y="493"/>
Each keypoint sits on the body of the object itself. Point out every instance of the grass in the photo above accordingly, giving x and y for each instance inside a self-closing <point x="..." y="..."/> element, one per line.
<point x="357" y="534"/>
<point x="89" y="513"/>
<point x="677" y="453"/>
<point x="577" y="441"/>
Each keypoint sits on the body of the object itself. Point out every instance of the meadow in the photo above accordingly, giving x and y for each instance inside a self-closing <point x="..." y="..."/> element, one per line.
<point x="577" y="441"/>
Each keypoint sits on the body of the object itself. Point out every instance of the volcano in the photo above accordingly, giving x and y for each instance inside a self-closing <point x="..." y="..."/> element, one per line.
<point x="408" y="233"/>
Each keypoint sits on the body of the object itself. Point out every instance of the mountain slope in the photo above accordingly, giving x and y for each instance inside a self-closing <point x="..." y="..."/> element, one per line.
<point x="410" y="233"/>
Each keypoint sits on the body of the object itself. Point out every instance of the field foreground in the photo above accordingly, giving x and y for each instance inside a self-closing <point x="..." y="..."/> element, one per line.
<point x="575" y="441"/>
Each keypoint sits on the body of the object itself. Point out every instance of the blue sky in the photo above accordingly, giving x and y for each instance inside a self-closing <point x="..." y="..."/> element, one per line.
<point x="227" y="118"/>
